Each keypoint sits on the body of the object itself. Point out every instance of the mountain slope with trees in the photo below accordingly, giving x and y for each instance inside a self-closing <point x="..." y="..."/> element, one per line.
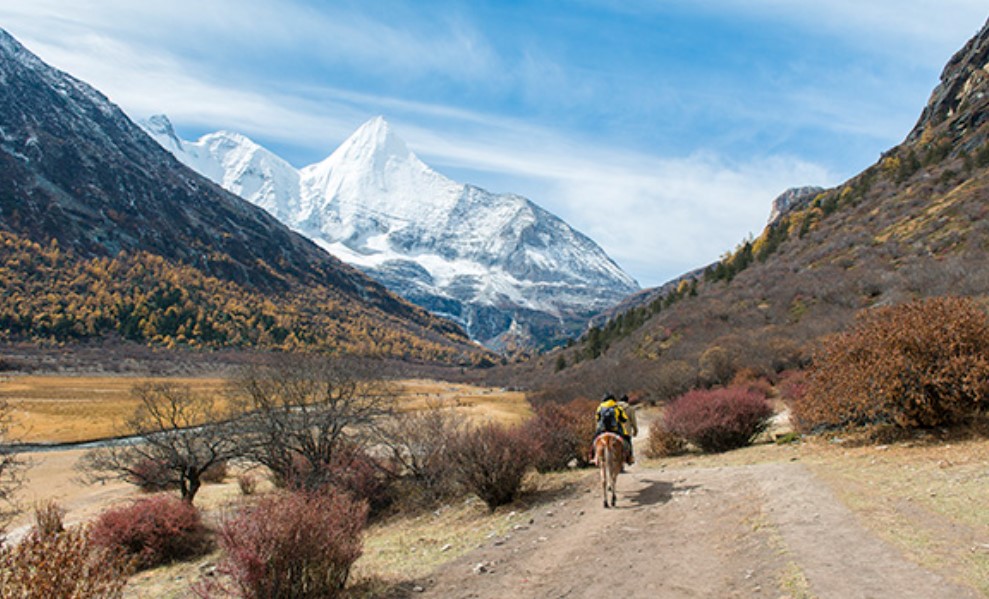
<point x="911" y="226"/>
<point x="105" y="233"/>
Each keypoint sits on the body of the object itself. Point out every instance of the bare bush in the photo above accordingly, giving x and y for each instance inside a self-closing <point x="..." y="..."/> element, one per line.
<point x="672" y="379"/>
<point x="289" y="545"/>
<point x="248" y="483"/>
<point x="717" y="366"/>
<point x="419" y="444"/>
<point x="183" y="435"/>
<point x="216" y="473"/>
<point x="49" y="518"/>
<point x="662" y="443"/>
<point x="491" y="461"/>
<point x="918" y="365"/>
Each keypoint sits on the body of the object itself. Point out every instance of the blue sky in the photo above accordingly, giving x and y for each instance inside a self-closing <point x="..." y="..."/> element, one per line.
<point x="661" y="129"/>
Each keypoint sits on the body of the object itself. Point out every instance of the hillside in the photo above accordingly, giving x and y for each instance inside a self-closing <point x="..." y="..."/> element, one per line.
<point x="912" y="225"/>
<point x="106" y="234"/>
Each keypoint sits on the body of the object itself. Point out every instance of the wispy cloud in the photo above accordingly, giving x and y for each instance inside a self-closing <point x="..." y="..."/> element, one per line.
<point x="666" y="161"/>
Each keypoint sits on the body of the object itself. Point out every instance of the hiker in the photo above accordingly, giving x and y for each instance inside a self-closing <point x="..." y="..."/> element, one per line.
<point x="633" y="426"/>
<point x="612" y="418"/>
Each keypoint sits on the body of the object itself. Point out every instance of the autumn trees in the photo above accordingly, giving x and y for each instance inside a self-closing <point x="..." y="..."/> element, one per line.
<point x="48" y="294"/>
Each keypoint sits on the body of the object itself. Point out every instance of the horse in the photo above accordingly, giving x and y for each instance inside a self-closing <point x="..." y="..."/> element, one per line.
<point x="609" y="453"/>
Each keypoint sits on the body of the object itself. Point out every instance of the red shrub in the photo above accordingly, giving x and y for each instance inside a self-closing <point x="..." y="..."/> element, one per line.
<point x="360" y="475"/>
<point x="155" y="530"/>
<point x="350" y="470"/>
<point x="718" y="419"/>
<point x="291" y="545"/>
<point x="491" y="461"/>
<point x="793" y="386"/>
<point x="64" y="564"/>
<point x="562" y="433"/>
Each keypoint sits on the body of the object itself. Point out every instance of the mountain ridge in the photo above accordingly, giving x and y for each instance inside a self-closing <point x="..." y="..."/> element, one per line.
<point x="498" y="264"/>
<point x="76" y="170"/>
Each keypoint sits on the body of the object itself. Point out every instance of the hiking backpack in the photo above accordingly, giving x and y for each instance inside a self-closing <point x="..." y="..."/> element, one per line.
<point x="608" y="420"/>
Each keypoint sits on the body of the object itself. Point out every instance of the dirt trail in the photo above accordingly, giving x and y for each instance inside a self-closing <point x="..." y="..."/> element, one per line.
<point x="766" y="530"/>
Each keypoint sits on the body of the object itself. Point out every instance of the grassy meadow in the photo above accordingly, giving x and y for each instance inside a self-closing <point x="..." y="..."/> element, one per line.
<point x="59" y="409"/>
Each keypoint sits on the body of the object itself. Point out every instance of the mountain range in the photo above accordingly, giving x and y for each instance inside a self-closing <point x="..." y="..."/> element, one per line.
<point x="106" y="233"/>
<point x="511" y="273"/>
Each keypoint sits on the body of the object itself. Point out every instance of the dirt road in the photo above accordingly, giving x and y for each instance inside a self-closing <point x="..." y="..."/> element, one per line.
<point x="766" y="530"/>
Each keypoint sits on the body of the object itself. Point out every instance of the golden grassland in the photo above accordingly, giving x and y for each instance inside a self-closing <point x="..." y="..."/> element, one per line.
<point x="54" y="409"/>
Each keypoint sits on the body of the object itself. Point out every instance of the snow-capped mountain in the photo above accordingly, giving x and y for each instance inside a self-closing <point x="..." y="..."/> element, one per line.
<point x="506" y="269"/>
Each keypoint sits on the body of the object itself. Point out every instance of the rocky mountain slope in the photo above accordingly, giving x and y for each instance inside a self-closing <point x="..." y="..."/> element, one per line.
<point x="913" y="225"/>
<point x="75" y="170"/>
<point x="510" y="272"/>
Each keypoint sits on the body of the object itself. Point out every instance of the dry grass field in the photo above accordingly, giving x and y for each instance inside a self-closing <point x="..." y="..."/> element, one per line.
<point x="59" y="409"/>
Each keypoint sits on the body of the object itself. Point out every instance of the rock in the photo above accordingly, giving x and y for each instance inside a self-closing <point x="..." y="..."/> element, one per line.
<point x="446" y="548"/>
<point x="481" y="568"/>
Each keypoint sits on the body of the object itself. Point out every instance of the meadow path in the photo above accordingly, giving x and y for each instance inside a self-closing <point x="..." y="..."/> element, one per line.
<point x="766" y="530"/>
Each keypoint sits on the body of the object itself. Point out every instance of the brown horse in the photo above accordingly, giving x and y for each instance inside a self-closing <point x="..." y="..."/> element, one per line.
<point x="609" y="453"/>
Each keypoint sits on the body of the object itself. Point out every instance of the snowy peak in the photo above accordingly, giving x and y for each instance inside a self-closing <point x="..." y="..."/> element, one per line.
<point x="374" y="144"/>
<point x="374" y="173"/>
<point x="495" y="263"/>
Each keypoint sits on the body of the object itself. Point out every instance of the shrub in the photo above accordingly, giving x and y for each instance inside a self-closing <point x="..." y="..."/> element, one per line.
<point x="491" y="461"/>
<point x="419" y="444"/>
<point x="662" y="443"/>
<point x="155" y="530"/>
<point x="360" y="475"/>
<point x="65" y="564"/>
<point x="753" y="381"/>
<point x="563" y="433"/>
<point x="350" y="470"/>
<point x="917" y="365"/>
<point x="292" y="545"/>
<point x="793" y="386"/>
<point x="48" y="518"/>
<point x="216" y="473"/>
<point x="718" y="419"/>
<point x="248" y="484"/>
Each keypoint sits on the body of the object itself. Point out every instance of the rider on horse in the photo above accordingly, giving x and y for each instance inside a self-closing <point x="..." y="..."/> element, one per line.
<point x="612" y="418"/>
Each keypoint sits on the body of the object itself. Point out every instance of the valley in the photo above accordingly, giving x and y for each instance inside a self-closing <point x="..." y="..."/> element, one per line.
<point x="364" y="377"/>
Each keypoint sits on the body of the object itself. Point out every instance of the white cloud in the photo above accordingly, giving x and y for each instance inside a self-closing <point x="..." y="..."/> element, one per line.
<point x="658" y="216"/>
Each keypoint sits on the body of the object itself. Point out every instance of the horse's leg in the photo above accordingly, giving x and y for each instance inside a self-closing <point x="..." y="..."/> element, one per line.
<point x="614" y="479"/>
<point x="605" y="464"/>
